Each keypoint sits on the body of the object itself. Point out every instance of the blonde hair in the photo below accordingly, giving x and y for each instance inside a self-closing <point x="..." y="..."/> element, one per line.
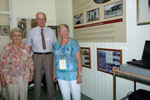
<point x="63" y="25"/>
<point x="15" y="30"/>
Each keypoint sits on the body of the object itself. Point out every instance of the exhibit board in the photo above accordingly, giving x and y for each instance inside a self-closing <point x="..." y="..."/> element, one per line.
<point x="99" y="20"/>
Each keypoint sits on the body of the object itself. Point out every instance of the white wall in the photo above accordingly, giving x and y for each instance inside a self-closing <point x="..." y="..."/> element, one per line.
<point x="64" y="13"/>
<point x="29" y="8"/>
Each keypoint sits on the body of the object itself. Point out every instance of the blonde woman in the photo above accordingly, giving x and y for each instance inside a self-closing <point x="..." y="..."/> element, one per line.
<point x="68" y="66"/>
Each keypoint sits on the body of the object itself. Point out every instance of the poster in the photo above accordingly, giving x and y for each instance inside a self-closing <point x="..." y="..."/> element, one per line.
<point x="99" y="20"/>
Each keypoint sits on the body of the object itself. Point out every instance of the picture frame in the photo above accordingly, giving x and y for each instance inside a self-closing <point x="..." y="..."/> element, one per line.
<point x="86" y="57"/>
<point x="5" y="30"/>
<point x="55" y="29"/>
<point x="78" y="19"/>
<point x="143" y="12"/>
<point x="26" y="24"/>
<point x="107" y="59"/>
<point x="93" y="15"/>
<point x="113" y="9"/>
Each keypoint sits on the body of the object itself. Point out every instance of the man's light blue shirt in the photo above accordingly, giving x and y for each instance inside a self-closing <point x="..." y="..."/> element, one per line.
<point x="35" y="40"/>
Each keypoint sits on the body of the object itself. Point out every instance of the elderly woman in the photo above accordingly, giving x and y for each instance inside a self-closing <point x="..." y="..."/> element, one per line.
<point x="16" y="66"/>
<point x="67" y="68"/>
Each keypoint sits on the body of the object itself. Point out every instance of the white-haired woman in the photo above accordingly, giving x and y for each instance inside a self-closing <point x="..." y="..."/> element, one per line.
<point x="16" y="66"/>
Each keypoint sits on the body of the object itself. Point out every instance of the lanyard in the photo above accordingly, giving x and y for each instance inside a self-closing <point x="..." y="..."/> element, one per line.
<point x="63" y="49"/>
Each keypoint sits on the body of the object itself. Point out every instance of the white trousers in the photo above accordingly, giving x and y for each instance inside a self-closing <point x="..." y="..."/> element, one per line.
<point x="68" y="87"/>
<point x="18" y="90"/>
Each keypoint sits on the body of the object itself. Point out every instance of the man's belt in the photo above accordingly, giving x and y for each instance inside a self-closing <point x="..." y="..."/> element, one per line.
<point x="40" y="53"/>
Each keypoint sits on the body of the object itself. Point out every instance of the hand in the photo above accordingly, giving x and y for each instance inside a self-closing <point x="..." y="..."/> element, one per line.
<point x="31" y="77"/>
<point x="3" y="83"/>
<point x="54" y="77"/>
<point x="79" y="79"/>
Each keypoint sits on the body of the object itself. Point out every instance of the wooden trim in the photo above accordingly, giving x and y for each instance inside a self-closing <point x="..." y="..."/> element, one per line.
<point x="114" y="86"/>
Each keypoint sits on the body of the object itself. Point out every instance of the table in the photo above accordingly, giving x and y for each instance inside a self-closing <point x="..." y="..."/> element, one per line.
<point x="131" y="72"/>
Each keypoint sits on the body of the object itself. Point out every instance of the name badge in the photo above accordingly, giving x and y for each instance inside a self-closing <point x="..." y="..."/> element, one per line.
<point x="24" y="51"/>
<point x="62" y="64"/>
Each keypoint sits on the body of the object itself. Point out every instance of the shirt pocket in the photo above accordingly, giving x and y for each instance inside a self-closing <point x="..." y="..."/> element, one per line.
<point x="37" y="39"/>
<point x="48" y="41"/>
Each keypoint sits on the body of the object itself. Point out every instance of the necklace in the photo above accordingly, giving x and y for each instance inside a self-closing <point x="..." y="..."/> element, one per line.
<point x="63" y="47"/>
<point x="61" y="42"/>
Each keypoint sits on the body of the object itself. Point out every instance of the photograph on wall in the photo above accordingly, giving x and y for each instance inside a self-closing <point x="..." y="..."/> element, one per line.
<point x="78" y="19"/>
<point x="101" y="1"/>
<point x="55" y="29"/>
<point x="26" y="24"/>
<point x="4" y="30"/>
<point x="143" y="12"/>
<point x="107" y="59"/>
<point x="92" y="15"/>
<point x="86" y="57"/>
<point x="114" y="9"/>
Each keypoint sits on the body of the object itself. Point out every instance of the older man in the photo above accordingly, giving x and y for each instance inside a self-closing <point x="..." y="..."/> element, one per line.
<point x="41" y="40"/>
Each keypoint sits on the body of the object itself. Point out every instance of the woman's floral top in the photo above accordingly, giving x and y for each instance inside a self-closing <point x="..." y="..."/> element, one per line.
<point x="67" y="52"/>
<point x="11" y="59"/>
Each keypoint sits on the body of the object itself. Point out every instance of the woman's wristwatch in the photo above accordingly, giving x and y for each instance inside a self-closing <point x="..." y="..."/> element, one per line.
<point x="80" y="73"/>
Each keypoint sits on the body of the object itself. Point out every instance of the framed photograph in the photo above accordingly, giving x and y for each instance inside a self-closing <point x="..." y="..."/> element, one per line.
<point x="143" y="12"/>
<point x="55" y="29"/>
<point x="5" y="30"/>
<point x="107" y="59"/>
<point x="78" y="19"/>
<point x="93" y="15"/>
<point x="26" y="24"/>
<point x="114" y="9"/>
<point x="86" y="57"/>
